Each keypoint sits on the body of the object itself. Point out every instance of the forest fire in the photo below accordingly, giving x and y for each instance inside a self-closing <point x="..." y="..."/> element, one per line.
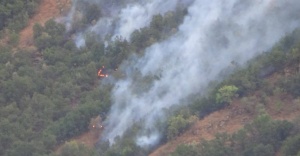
<point x="101" y="74"/>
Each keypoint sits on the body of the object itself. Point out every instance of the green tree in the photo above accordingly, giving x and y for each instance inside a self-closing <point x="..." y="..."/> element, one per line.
<point x="216" y="147"/>
<point x="22" y="149"/>
<point x="291" y="146"/>
<point x="176" y="125"/>
<point x="226" y="93"/>
<point x="260" y="150"/>
<point x="76" y="149"/>
<point x="14" y="14"/>
<point x="186" y="150"/>
<point x="266" y="131"/>
<point x="49" y="36"/>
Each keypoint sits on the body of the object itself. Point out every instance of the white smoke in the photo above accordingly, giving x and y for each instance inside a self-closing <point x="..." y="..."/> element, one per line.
<point x="79" y="40"/>
<point x="213" y="34"/>
<point x="120" y="18"/>
<point x="139" y="15"/>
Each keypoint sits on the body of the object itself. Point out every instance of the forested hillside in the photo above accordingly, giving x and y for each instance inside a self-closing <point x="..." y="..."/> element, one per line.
<point x="266" y="89"/>
<point x="50" y="93"/>
<point x="14" y="14"/>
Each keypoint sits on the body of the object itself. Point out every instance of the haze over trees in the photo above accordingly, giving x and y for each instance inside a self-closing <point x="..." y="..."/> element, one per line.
<point x="48" y="95"/>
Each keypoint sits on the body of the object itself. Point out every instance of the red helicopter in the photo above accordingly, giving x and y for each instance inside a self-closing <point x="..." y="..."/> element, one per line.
<point x="101" y="73"/>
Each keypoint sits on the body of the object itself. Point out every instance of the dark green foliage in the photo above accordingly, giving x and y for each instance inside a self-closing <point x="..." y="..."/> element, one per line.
<point x="292" y="85"/>
<point x="263" y="137"/>
<point x="75" y="122"/>
<point x="86" y="13"/>
<point x="284" y="54"/>
<point x="181" y="120"/>
<point x="206" y="105"/>
<point x="123" y="147"/>
<point x="37" y="30"/>
<point x="264" y="130"/>
<point x="76" y="149"/>
<point x="5" y="55"/>
<point x="98" y="51"/>
<point x="48" y="96"/>
<point x="50" y="36"/>
<point x="161" y="27"/>
<point x="260" y="150"/>
<point x="185" y="150"/>
<point x="291" y="146"/>
<point x="216" y="147"/>
<point x="54" y="55"/>
<point x="15" y="13"/>
<point x="129" y="148"/>
<point x="93" y="12"/>
<point x="22" y="149"/>
<point x="176" y="125"/>
<point x="116" y="52"/>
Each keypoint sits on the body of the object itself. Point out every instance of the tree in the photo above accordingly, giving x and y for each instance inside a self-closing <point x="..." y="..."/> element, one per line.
<point x="226" y="93"/>
<point x="176" y="125"/>
<point x="184" y="150"/>
<point x="49" y="36"/>
<point x="291" y="146"/>
<point x="22" y="149"/>
<point x="260" y="150"/>
<point x="14" y="14"/>
<point x="76" y="149"/>
<point x="37" y="30"/>
<point x="216" y="147"/>
<point x="266" y="131"/>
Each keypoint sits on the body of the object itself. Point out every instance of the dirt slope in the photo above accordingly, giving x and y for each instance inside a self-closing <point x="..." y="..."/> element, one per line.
<point x="48" y="9"/>
<point x="230" y="120"/>
<point x="89" y="139"/>
<point x="227" y="120"/>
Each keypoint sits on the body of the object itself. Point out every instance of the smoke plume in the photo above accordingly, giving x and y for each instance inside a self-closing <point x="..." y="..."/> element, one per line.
<point x="213" y="34"/>
<point x="118" y="18"/>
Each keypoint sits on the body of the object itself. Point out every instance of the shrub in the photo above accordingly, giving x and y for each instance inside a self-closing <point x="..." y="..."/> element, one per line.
<point x="226" y="93"/>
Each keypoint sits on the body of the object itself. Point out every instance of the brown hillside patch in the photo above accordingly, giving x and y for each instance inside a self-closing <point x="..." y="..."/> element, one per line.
<point x="48" y="9"/>
<point x="89" y="139"/>
<point x="280" y="106"/>
<point x="4" y="40"/>
<point x="230" y="120"/>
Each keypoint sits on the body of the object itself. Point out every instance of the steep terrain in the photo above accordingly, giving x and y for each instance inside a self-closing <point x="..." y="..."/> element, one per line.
<point x="89" y="139"/>
<point x="241" y="111"/>
<point x="229" y="120"/>
<point x="48" y="9"/>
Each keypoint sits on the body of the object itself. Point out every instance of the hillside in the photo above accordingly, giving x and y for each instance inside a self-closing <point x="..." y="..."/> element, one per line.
<point x="240" y="112"/>
<point x="154" y="99"/>
<point x="228" y="120"/>
<point x="47" y="9"/>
